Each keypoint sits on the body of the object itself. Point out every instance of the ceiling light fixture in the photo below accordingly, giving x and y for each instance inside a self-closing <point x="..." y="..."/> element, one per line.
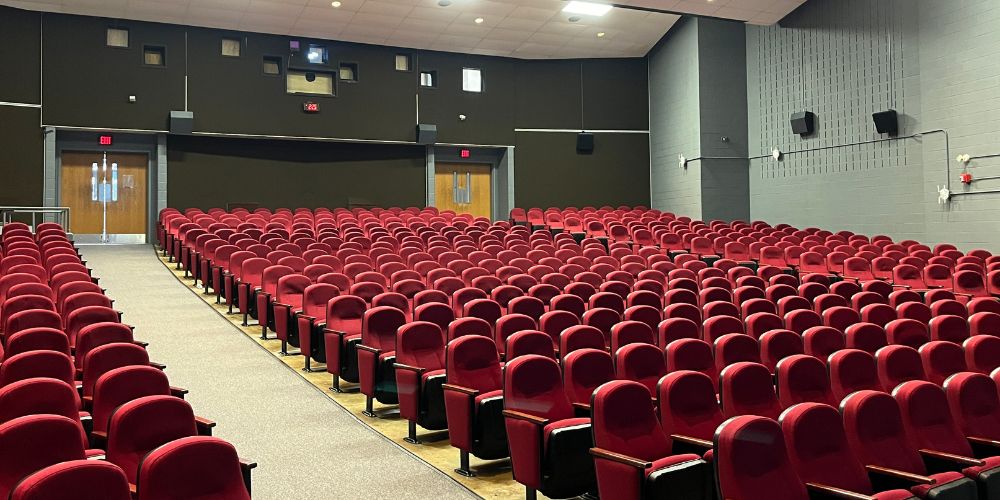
<point x="587" y="8"/>
<point x="444" y="3"/>
<point x="335" y="4"/>
<point x="573" y="19"/>
<point x="479" y="20"/>
<point x="601" y="34"/>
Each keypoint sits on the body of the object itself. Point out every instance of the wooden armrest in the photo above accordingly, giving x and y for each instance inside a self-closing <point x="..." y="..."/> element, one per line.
<point x="204" y="426"/>
<point x="247" y="465"/>
<point x="415" y="369"/>
<point x="958" y="459"/>
<point x="307" y="317"/>
<point x="132" y="491"/>
<point x="984" y="441"/>
<point x="156" y="365"/>
<point x="335" y="332"/>
<point x="898" y="474"/>
<point x="87" y="400"/>
<point x="281" y="304"/>
<point x="704" y="443"/>
<point x="582" y="406"/>
<point x="622" y="459"/>
<point x="836" y="492"/>
<point x="525" y="417"/>
<point x="141" y="343"/>
<point x="178" y="392"/>
<point x="458" y="388"/>
<point x="369" y="349"/>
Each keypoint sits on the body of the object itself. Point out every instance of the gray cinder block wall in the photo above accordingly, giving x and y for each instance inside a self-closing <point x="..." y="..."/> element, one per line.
<point x="936" y="62"/>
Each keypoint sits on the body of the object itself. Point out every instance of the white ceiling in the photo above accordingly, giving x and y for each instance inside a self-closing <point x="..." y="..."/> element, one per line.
<point x="530" y="29"/>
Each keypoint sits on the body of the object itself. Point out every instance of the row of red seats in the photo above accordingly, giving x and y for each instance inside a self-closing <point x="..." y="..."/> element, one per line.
<point x="83" y="412"/>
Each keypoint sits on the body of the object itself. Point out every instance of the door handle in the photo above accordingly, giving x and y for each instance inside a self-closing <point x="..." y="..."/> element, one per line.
<point x="454" y="187"/>
<point x="468" y="188"/>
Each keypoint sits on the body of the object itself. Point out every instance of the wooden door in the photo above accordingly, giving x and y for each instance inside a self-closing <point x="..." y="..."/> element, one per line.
<point x="464" y="188"/>
<point x="127" y="215"/>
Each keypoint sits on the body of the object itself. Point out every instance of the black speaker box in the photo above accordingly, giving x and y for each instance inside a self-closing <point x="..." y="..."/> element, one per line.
<point x="427" y="133"/>
<point x="886" y="122"/>
<point x="803" y="123"/>
<point x="181" y="122"/>
<point x="584" y="143"/>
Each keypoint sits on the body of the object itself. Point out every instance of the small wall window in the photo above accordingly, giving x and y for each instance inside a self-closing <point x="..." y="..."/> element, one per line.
<point x="231" y="47"/>
<point x="472" y="80"/>
<point x="309" y="82"/>
<point x="118" y="37"/>
<point x="272" y="65"/>
<point x="317" y="54"/>
<point x="402" y="62"/>
<point x="428" y="78"/>
<point x="154" y="55"/>
<point x="348" y="72"/>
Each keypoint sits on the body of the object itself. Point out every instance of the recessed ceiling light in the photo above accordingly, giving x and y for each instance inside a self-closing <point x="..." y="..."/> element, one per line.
<point x="444" y="3"/>
<point x="335" y="4"/>
<point x="587" y="8"/>
<point x="479" y="20"/>
<point x="601" y="34"/>
<point x="573" y="19"/>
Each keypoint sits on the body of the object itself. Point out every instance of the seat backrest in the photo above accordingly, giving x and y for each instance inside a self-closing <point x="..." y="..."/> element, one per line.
<point x="624" y="421"/>
<point x="192" y="467"/>
<point x="510" y="324"/>
<point x="818" y="448"/>
<point x="735" y="347"/>
<point x="38" y="339"/>
<point x="33" y="364"/>
<point x="40" y="396"/>
<point x="949" y="327"/>
<point x="141" y="425"/>
<point x="472" y="361"/>
<point x="927" y="416"/>
<point x="124" y="384"/>
<point x="688" y="405"/>
<point x="33" y="442"/>
<point x="79" y="479"/>
<point x="107" y="357"/>
<point x="584" y="370"/>
<point x="897" y="364"/>
<point x="97" y="334"/>
<point x="379" y="325"/>
<point x="803" y="378"/>
<point x="643" y="363"/>
<point x="745" y="388"/>
<point x="982" y="353"/>
<point x="87" y="315"/>
<point x="874" y="428"/>
<point x="852" y="370"/>
<point x="973" y="401"/>
<point x="751" y="461"/>
<point x="533" y="385"/>
<point x="941" y="360"/>
<point x="906" y="332"/>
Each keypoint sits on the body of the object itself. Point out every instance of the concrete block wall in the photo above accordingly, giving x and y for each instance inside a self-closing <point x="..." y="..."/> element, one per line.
<point x="674" y="127"/>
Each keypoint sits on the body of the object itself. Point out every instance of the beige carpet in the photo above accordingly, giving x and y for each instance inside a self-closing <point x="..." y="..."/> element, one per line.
<point x="306" y="444"/>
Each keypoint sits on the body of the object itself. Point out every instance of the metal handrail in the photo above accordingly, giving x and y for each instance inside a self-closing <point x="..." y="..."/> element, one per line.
<point x="62" y="214"/>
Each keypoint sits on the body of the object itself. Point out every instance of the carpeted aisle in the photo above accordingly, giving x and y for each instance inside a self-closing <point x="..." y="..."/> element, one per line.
<point x="306" y="445"/>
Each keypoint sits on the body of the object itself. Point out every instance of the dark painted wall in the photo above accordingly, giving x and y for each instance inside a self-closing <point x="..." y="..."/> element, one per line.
<point x="549" y="172"/>
<point x="20" y="135"/>
<point x="21" y="157"/>
<point x="210" y="172"/>
<point x="87" y="84"/>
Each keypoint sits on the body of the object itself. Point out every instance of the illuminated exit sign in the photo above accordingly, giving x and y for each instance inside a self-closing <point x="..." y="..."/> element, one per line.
<point x="105" y="140"/>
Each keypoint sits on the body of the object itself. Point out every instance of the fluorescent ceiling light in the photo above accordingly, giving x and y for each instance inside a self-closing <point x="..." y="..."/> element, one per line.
<point x="587" y="8"/>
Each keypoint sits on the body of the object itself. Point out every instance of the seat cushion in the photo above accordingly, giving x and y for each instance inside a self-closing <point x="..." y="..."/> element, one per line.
<point x="991" y="463"/>
<point x="893" y="495"/>
<point x="565" y="425"/>
<point x="670" y="461"/>
<point x="940" y="479"/>
<point x="431" y="373"/>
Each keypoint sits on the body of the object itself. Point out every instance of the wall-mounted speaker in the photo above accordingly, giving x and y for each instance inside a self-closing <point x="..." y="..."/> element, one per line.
<point x="803" y="123"/>
<point x="584" y="143"/>
<point x="427" y="133"/>
<point x="181" y="122"/>
<point x="886" y="122"/>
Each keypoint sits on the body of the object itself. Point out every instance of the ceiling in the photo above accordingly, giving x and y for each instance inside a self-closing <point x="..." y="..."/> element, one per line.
<point x="529" y="29"/>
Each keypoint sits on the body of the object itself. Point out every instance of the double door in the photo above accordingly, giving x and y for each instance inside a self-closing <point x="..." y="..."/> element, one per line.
<point x="84" y="189"/>
<point x="464" y="188"/>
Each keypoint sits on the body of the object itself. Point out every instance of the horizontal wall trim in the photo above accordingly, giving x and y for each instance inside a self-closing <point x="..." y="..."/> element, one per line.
<point x="266" y="136"/>
<point x="577" y="131"/>
<point x="20" y="104"/>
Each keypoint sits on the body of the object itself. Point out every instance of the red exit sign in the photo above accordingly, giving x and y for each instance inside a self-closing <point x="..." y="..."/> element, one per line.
<point x="310" y="107"/>
<point x="105" y="140"/>
<point x="464" y="153"/>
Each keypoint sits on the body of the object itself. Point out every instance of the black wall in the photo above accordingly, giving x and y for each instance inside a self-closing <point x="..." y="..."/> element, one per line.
<point x="87" y="84"/>
<point x="210" y="172"/>
<point x="20" y="134"/>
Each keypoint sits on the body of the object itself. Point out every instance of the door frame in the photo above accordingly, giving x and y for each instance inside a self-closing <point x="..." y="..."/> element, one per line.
<point x="86" y="141"/>
<point x="501" y="162"/>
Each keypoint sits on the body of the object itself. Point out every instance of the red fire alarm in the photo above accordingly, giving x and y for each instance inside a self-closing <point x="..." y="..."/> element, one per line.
<point x="104" y="140"/>
<point x="464" y="153"/>
<point x="966" y="178"/>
